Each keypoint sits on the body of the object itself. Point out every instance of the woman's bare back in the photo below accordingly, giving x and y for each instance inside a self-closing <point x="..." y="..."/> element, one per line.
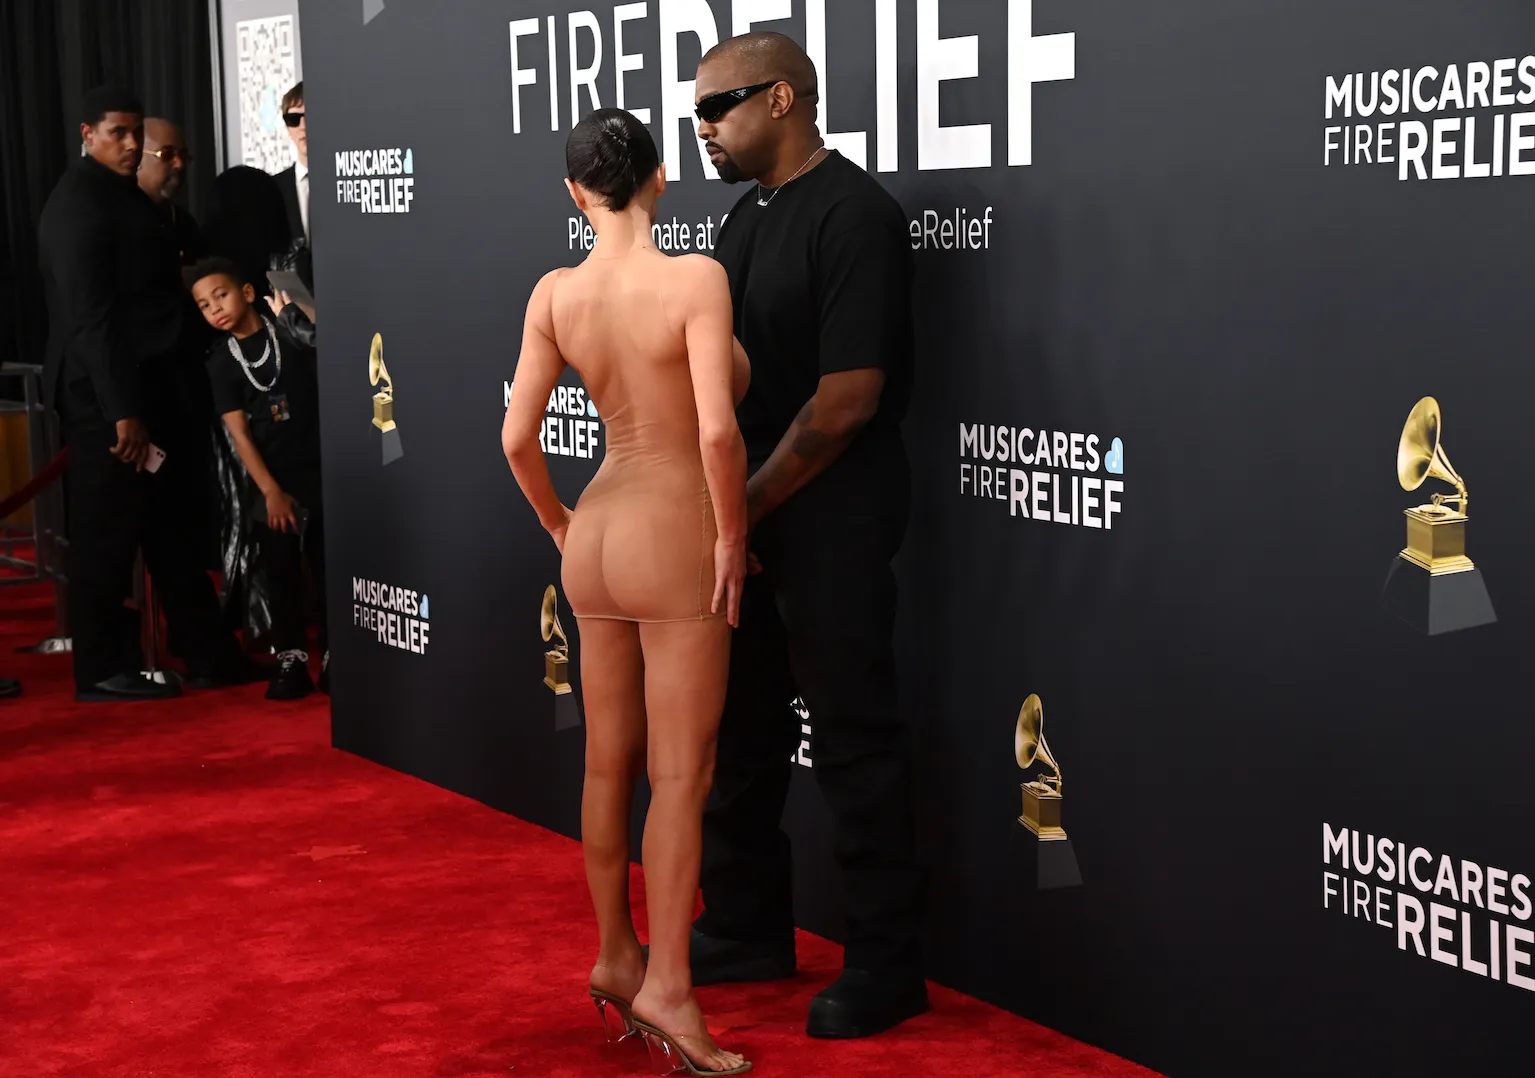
<point x="641" y="541"/>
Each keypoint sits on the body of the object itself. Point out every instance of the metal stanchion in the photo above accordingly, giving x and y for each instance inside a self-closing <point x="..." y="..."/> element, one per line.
<point x="48" y="534"/>
<point x="12" y="535"/>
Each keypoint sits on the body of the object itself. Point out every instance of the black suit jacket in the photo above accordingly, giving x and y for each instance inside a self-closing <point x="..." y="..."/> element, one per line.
<point x="111" y="273"/>
<point x="287" y="182"/>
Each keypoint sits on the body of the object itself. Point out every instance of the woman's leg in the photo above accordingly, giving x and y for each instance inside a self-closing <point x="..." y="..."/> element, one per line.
<point x="686" y="667"/>
<point x="613" y="689"/>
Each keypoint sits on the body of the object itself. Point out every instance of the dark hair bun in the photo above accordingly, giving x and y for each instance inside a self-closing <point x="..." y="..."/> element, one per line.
<point x="612" y="154"/>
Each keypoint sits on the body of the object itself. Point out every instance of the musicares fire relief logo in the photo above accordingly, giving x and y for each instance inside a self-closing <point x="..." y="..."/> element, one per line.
<point x="376" y="181"/>
<point x="571" y="426"/>
<point x="913" y="62"/>
<point x="1478" y="937"/>
<point x="1070" y="478"/>
<point x="1433" y="585"/>
<point x="570" y="91"/>
<point x="1491" y="142"/>
<point x="399" y="617"/>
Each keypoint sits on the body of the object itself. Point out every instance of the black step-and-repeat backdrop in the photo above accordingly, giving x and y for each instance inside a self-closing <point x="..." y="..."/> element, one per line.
<point x="1187" y="274"/>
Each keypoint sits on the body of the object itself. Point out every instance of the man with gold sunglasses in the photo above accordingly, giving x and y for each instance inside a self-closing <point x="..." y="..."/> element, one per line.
<point x="162" y="175"/>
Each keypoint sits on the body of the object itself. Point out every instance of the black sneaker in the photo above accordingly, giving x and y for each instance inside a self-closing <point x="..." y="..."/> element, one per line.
<point x="325" y="673"/>
<point x="291" y="682"/>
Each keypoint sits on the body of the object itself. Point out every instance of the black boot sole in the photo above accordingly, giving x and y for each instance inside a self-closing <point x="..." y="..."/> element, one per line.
<point x="96" y="696"/>
<point x="835" y="1029"/>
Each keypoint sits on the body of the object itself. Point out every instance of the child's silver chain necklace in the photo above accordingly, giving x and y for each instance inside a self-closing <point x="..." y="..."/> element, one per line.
<point x="267" y="352"/>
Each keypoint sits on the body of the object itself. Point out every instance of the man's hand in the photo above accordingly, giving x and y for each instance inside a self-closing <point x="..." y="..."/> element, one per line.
<point x="132" y="442"/>
<point x="279" y="512"/>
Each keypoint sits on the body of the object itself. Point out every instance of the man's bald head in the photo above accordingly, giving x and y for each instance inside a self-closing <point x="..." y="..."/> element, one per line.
<point x="747" y="133"/>
<point x="159" y="129"/>
<point x="164" y="164"/>
<point x="766" y="57"/>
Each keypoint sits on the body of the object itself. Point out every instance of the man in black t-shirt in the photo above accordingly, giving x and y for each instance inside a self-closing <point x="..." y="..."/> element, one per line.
<point x="265" y="389"/>
<point x="820" y="274"/>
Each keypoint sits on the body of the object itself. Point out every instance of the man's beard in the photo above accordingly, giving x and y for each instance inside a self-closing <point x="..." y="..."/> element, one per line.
<point x="729" y="171"/>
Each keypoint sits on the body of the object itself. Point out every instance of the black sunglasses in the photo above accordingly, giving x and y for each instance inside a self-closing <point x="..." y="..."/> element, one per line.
<point x="712" y="108"/>
<point x="293" y="119"/>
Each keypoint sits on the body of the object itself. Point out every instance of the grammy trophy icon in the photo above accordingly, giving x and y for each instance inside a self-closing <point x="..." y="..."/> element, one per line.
<point x="383" y="401"/>
<point x="567" y="714"/>
<point x="1433" y="586"/>
<point x="1042" y="800"/>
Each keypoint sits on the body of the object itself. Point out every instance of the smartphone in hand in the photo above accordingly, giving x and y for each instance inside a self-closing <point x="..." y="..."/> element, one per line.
<point x="154" y="459"/>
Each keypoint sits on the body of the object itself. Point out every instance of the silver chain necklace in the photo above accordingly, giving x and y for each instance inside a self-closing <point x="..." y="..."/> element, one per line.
<point x="267" y="352"/>
<point x="765" y="201"/>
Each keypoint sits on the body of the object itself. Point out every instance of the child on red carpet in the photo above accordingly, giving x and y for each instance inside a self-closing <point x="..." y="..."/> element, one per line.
<point x="265" y="389"/>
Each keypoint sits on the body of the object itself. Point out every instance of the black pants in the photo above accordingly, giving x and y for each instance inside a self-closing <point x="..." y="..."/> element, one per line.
<point x="286" y="555"/>
<point x="113" y="512"/>
<point x="818" y="622"/>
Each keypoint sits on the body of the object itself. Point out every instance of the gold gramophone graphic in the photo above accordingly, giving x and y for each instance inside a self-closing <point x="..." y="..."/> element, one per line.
<point x="1436" y="534"/>
<point x="557" y="658"/>
<point x="383" y="401"/>
<point x="1041" y="797"/>
<point x="567" y="710"/>
<point x="1434" y="585"/>
<point x="1054" y="859"/>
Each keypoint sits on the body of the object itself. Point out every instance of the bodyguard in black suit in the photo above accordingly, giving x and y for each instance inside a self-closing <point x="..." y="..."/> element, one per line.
<point x="116" y="310"/>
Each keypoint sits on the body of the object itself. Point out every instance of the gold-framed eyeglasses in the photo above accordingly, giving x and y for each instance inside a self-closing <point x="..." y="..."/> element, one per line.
<point x="171" y="153"/>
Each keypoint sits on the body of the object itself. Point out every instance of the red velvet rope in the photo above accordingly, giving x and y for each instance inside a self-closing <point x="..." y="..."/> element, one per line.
<point x="35" y="485"/>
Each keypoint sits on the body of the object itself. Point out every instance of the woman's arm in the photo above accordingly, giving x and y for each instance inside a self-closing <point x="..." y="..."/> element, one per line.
<point x="712" y="360"/>
<point x="538" y="371"/>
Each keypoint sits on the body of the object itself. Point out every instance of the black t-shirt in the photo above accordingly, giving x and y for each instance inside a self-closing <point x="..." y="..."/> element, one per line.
<point x="821" y="282"/>
<point x="283" y="409"/>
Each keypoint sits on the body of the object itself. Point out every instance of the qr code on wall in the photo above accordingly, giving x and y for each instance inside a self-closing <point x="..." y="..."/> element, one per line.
<point x="268" y="69"/>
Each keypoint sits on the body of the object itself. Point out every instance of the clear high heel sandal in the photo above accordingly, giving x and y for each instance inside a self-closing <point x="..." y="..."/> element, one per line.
<point x="617" y="1018"/>
<point x="667" y="1056"/>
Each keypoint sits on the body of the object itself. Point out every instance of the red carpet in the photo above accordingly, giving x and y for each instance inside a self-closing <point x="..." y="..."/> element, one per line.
<point x="206" y="889"/>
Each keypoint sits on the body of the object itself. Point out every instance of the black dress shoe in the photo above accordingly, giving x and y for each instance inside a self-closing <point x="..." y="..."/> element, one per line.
<point x="121" y="688"/>
<point x="241" y="671"/>
<point x="717" y="961"/>
<point x="861" y="1004"/>
<point x="9" y="688"/>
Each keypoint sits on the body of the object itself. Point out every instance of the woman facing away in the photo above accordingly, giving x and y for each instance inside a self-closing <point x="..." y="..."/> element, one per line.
<point x="654" y="560"/>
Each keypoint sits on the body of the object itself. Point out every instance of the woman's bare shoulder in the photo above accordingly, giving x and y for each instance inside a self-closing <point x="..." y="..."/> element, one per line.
<point x="692" y="272"/>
